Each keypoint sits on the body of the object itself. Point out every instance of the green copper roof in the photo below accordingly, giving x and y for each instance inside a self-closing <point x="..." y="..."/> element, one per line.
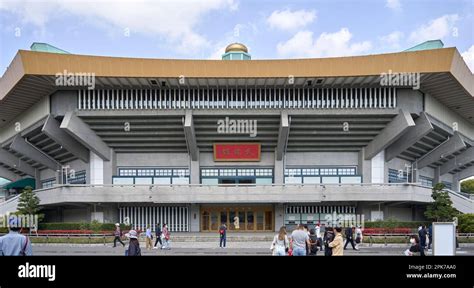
<point x="427" y="45"/>
<point x="21" y="184"/>
<point x="45" y="47"/>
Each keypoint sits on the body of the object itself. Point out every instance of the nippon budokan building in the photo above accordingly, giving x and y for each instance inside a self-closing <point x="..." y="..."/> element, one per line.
<point x="254" y="144"/>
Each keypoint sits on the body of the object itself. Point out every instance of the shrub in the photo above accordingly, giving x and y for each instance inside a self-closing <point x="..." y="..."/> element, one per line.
<point x="391" y="223"/>
<point x="466" y="223"/>
<point x="81" y="226"/>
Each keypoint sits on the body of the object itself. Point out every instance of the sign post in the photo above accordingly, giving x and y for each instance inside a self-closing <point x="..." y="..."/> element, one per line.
<point x="444" y="239"/>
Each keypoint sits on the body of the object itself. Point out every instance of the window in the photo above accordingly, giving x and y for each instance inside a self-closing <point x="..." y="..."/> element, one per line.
<point x="328" y="171"/>
<point x="145" y="172"/>
<point x="48" y="183"/>
<point x="152" y="176"/>
<point x="236" y="175"/>
<point x="79" y="178"/>
<point x="316" y="175"/>
<point x="425" y="181"/>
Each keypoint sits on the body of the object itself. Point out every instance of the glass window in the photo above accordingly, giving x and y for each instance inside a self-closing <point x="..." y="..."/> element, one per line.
<point x="312" y="180"/>
<point x="263" y="172"/>
<point x="245" y="172"/>
<point x="328" y="171"/>
<point x="351" y="179"/>
<point x="127" y="172"/>
<point x="209" y="172"/>
<point x="310" y="171"/>
<point x="143" y="180"/>
<point x="145" y="172"/>
<point x="292" y="172"/>
<point x="122" y="180"/>
<point x="162" y="180"/>
<point x="293" y="180"/>
<point x="329" y="180"/>
<point x="264" y="181"/>
<point x="163" y="172"/>
<point x="210" y="181"/>
<point x="180" y="180"/>
<point x="181" y="172"/>
<point x="227" y="172"/>
<point x="346" y="171"/>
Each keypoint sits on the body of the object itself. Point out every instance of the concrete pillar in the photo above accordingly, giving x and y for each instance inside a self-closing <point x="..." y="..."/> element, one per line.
<point x="279" y="170"/>
<point x="37" y="179"/>
<point x="436" y="178"/>
<point x="456" y="186"/>
<point x="378" y="168"/>
<point x="364" y="168"/>
<point x="279" y="216"/>
<point x="59" y="177"/>
<point x="195" y="221"/>
<point x="110" y="167"/>
<point x="96" y="169"/>
<point x="194" y="171"/>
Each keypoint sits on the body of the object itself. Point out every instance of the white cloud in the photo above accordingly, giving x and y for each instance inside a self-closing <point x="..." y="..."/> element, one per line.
<point x="392" y="40"/>
<point x="469" y="58"/>
<point x="394" y="5"/>
<point x="290" y="20"/>
<point x="174" y="21"/>
<point x="435" y="29"/>
<point x="334" y="44"/>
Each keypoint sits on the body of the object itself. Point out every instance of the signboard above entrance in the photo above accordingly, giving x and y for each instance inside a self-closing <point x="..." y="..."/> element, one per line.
<point x="243" y="152"/>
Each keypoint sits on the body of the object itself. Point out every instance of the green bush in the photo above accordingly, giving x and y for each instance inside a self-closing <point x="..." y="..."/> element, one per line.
<point x="392" y="223"/>
<point x="95" y="226"/>
<point x="466" y="223"/>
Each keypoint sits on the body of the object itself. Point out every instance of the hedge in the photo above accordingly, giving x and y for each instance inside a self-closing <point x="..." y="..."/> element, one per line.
<point x="396" y="224"/>
<point x="466" y="223"/>
<point x="82" y="226"/>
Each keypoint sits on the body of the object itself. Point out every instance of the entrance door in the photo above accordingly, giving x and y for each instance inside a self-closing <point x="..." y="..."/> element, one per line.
<point x="237" y="218"/>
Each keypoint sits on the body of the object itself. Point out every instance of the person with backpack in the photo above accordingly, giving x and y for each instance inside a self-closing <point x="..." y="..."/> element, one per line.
<point x="313" y="243"/>
<point x="222" y="235"/>
<point x="158" y="236"/>
<point x="328" y="238"/>
<point x="134" y="245"/>
<point x="166" y="237"/>
<point x="280" y="244"/>
<point x="13" y="243"/>
<point x="118" y="235"/>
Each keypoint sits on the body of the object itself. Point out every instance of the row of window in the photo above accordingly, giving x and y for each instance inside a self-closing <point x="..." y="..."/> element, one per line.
<point x="225" y="172"/>
<point x="320" y="171"/>
<point x="72" y="178"/>
<point x="181" y="172"/>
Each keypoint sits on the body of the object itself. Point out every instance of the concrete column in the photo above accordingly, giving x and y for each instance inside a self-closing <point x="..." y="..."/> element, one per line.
<point x="378" y="168"/>
<point x="37" y="179"/>
<point x="436" y="178"/>
<point x="279" y="172"/>
<point x="96" y="169"/>
<point x="279" y="216"/>
<point x="194" y="171"/>
<point x="59" y="177"/>
<point x="110" y="167"/>
<point x="456" y="186"/>
<point x="364" y="167"/>
<point x="195" y="221"/>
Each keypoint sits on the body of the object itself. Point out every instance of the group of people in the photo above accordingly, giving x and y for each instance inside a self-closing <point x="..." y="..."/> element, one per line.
<point x="419" y="243"/>
<point x="307" y="242"/>
<point x="162" y="234"/>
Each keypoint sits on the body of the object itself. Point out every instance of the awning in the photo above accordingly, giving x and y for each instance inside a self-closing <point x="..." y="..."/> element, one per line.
<point x="21" y="184"/>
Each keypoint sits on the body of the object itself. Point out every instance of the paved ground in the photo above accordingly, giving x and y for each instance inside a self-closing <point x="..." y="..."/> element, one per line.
<point x="211" y="248"/>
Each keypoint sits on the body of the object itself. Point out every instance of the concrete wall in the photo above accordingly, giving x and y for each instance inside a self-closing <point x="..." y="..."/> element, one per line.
<point x="448" y="116"/>
<point x="152" y="160"/>
<point x="63" y="101"/>
<point x="47" y="174"/>
<point x="26" y="119"/>
<point x="406" y="212"/>
<point x="410" y="100"/>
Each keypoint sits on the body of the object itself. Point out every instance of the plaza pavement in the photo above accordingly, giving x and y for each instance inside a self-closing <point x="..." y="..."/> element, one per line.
<point x="211" y="248"/>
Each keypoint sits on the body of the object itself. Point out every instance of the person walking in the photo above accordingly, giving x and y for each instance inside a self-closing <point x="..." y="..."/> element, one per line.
<point x="118" y="235"/>
<point x="415" y="247"/>
<point x="15" y="244"/>
<point x="299" y="241"/>
<point x="350" y="238"/>
<point x="430" y="236"/>
<point x="134" y="245"/>
<point x="222" y="235"/>
<point x="149" y="238"/>
<point x="280" y="244"/>
<point x="337" y="243"/>
<point x="359" y="237"/>
<point x="166" y="237"/>
<point x="328" y="238"/>
<point x="422" y="235"/>
<point x="158" y="236"/>
<point x="313" y="243"/>
<point x="318" y="235"/>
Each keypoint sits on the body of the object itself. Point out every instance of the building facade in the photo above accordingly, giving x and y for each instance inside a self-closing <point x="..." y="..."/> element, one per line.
<point x="255" y="144"/>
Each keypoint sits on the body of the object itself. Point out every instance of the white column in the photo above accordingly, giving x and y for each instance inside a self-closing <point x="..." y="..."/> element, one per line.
<point x="96" y="169"/>
<point x="378" y="167"/>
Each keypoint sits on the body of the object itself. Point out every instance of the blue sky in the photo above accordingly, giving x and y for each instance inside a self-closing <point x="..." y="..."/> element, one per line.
<point x="201" y="29"/>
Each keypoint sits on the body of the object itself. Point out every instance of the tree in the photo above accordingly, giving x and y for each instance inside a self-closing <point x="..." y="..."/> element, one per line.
<point x="28" y="203"/>
<point x="467" y="186"/>
<point x="441" y="209"/>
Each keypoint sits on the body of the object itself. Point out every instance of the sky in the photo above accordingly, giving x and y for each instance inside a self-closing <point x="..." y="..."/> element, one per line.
<point x="188" y="29"/>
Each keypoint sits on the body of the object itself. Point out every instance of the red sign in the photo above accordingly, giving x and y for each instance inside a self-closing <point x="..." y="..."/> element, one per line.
<point x="237" y="152"/>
